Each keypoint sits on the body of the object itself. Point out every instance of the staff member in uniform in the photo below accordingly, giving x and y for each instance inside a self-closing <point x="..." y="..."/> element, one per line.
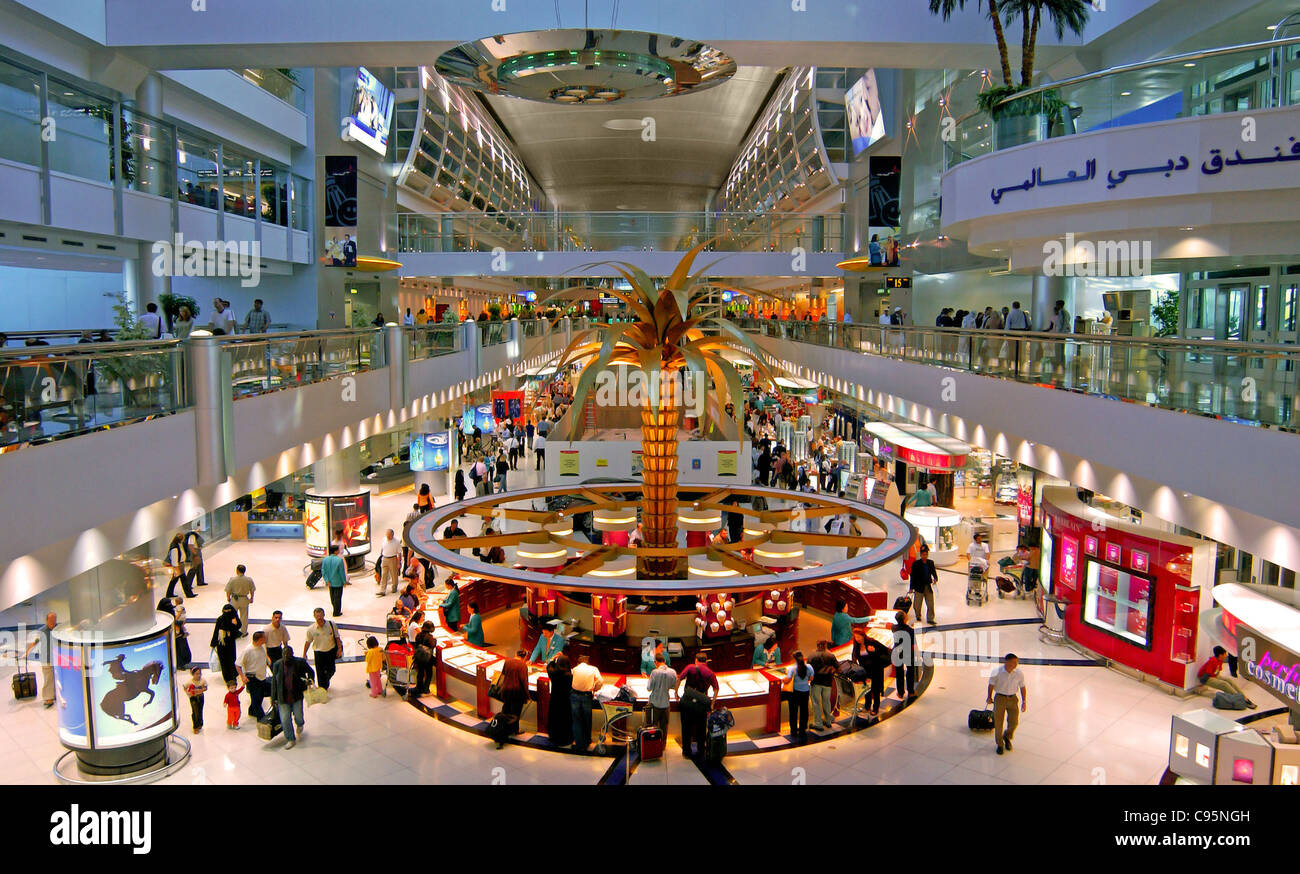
<point x="1004" y="683"/>
<point x="549" y="645"/>
<point x="239" y="591"/>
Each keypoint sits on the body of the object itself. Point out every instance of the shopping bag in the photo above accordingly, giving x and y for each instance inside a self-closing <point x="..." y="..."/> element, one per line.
<point x="315" y="695"/>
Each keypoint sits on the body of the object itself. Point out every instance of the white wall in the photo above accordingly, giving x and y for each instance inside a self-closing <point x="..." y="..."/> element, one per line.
<point x="57" y="300"/>
<point x="290" y="299"/>
<point x="970" y="290"/>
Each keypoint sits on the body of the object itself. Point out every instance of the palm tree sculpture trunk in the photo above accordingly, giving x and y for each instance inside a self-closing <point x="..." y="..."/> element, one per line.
<point x="660" y="419"/>
<point x="1003" y="55"/>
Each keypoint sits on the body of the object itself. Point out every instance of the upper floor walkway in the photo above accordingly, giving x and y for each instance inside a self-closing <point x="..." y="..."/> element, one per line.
<point x="154" y="433"/>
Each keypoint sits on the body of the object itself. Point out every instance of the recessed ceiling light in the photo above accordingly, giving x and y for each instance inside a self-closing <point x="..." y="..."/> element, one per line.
<point x="622" y="124"/>
<point x="1189" y="228"/>
<point x="1126" y="94"/>
<point x="1189" y="64"/>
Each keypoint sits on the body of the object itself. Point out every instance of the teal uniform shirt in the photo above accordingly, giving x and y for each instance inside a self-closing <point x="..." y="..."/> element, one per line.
<point x="451" y="606"/>
<point x="842" y="627"/>
<point x="544" y="653"/>
<point x="648" y="665"/>
<point x="760" y="655"/>
<point x="474" y="630"/>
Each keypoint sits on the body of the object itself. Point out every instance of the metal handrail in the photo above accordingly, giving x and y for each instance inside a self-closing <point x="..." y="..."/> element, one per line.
<point x="1229" y="347"/>
<point x="1199" y="54"/>
<point x="73" y="350"/>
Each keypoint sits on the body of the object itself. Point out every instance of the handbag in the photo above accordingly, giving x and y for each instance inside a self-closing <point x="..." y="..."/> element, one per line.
<point x="338" y="641"/>
<point x="315" y="695"/>
<point x="494" y="690"/>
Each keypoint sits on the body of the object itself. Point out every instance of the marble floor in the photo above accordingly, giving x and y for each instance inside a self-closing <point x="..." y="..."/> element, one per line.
<point x="1085" y="723"/>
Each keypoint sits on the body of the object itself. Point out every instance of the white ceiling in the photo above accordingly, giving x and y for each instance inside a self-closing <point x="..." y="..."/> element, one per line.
<point x="584" y="166"/>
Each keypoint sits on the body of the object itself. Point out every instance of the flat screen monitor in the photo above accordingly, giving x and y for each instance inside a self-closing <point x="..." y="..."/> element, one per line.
<point x="372" y="112"/>
<point x="1045" y="575"/>
<point x="862" y="106"/>
<point x="1118" y="602"/>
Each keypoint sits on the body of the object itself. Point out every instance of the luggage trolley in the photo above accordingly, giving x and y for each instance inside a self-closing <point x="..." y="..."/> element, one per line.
<point x="618" y="713"/>
<point x="977" y="585"/>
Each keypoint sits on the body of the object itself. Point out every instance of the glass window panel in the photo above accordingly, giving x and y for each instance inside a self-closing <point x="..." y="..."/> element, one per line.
<point x="82" y="146"/>
<point x="20" y="115"/>
<point x="196" y="170"/>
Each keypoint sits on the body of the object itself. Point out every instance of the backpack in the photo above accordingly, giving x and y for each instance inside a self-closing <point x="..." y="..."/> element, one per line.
<point x="1229" y="701"/>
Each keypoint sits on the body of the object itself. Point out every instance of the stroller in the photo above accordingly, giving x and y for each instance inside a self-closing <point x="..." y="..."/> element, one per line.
<point x="977" y="585"/>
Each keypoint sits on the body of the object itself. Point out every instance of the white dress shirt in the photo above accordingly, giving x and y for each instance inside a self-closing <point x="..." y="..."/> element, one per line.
<point x="1006" y="682"/>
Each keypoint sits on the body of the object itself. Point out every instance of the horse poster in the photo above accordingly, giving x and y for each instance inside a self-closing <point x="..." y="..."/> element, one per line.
<point x="132" y="692"/>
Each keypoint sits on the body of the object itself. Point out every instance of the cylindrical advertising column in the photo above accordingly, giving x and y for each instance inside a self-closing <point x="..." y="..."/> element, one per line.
<point x="337" y="509"/>
<point x="114" y="675"/>
<point x="210" y="391"/>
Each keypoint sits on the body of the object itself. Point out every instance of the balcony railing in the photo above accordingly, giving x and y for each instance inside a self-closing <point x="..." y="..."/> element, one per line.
<point x="1249" y="384"/>
<point x="1239" y="78"/>
<point x="53" y="392"/>
<point x="278" y="84"/>
<point x="617" y="231"/>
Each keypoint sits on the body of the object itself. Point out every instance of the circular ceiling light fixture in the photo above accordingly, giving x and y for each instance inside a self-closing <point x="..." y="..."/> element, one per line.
<point x="577" y="66"/>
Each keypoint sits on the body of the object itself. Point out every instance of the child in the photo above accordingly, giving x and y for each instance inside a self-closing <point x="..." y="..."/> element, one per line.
<point x="195" y="689"/>
<point x="375" y="660"/>
<point x="232" y="705"/>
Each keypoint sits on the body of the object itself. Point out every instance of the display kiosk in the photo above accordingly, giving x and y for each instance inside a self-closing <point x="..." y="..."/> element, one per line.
<point x="1133" y="594"/>
<point x="343" y="519"/>
<point x="938" y="525"/>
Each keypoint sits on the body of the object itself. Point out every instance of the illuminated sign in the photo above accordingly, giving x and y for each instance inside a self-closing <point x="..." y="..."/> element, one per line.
<point x="898" y="282"/>
<point x="1271" y="666"/>
<point x="316" y="525"/>
<point x="430" y="451"/>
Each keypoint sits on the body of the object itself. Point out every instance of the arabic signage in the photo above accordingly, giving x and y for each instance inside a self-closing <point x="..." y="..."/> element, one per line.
<point x="1272" y="666"/>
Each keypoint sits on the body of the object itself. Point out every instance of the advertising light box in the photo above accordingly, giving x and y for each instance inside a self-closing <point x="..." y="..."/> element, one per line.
<point x="132" y="695"/>
<point x="350" y="518"/>
<point x="316" y="526"/>
<point x="70" y="695"/>
<point x="431" y="451"/>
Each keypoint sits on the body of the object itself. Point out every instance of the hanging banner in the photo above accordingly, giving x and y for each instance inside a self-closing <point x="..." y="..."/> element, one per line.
<point x="430" y="451"/>
<point x="570" y="462"/>
<point x="507" y="405"/>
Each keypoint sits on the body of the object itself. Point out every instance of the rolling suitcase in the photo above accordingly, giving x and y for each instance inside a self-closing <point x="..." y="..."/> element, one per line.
<point x="24" y="683"/>
<point x="314" y="577"/>
<point x="980" y="720"/>
<point x="268" y="727"/>
<point x="715" y="748"/>
<point x="652" y="742"/>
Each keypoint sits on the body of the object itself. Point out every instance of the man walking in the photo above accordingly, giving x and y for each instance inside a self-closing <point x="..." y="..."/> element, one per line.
<point x="289" y="680"/>
<point x="325" y="646"/>
<point x="45" y="641"/>
<point x="922" y="578"/>
<point x="1004" y="683"/>
<point x="335" y="574"/>
<point x="258" y="320"/>
<point x="277" y="637"/>
<point x="239" y="592"/>
<point x="390" y="557"/>
<point x="539" y="447"/>
<point x="193" y="546"/>
<point x="903" y="654"/>
<point x="254" y="670"/>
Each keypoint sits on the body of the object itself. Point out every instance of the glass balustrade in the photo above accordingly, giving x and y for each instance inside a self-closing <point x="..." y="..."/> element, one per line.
<point x="1231" y="79"/>
<point x="1253" y="385"/>
<point x="429" y="341"/>
<point x="617" y="231"/>
<point x="261" y="363"/>
<point x="50" y="392"/>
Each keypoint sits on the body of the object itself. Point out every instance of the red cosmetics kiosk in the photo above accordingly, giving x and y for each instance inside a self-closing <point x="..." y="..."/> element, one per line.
<point x="1134" y="593"/>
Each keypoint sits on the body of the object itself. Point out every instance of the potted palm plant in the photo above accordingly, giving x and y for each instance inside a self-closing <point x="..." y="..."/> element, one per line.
<point x="671" y="330"/>
<point x="1020" y="120"/>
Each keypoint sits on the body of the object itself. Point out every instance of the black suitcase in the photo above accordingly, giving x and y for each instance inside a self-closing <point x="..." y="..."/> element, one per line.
<point x="904" y="603"/>
<point x="268" y="727"/>
<point x="852" y="671"/>
<point x="314" y="577"/>
<point x="25" y="683"/>
<point x="502" y="726"/>
<point x="980" y="720"/>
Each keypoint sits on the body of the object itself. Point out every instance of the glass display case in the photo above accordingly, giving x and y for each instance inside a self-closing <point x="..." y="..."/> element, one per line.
<point x="1118" y="602"/>
<point x="938" y="526"/>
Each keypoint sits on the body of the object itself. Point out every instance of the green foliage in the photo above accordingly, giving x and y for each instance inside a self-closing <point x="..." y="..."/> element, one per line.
<point x="171" y="306"/>
<point x="449" y="316"/>
<point x="1048" y="103"/>
<point x="1164" y="314"/>
<point x="130" y="370"/>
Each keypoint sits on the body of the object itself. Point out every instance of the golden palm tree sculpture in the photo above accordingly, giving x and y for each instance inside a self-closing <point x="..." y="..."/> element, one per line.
<point x="667" y="336"/>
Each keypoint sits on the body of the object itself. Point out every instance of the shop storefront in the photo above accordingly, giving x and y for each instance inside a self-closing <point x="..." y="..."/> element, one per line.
<point x="1132" y="593"/>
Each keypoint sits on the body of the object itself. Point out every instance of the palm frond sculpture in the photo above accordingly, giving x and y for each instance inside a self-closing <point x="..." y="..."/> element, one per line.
<point x="673" y="332"/>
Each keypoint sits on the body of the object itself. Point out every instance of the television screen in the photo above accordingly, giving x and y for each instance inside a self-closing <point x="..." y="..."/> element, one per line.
<point x="1119" y="603"/>
<point x="372" y="112"/>
<point x="862" y="105"/>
